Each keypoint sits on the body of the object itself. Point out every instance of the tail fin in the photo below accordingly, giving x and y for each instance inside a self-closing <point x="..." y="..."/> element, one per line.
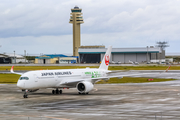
<point x="105" y="62"/>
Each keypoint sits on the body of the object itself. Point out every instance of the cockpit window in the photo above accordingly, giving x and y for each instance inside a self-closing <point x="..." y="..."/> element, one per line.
<point x="24" y="78"/>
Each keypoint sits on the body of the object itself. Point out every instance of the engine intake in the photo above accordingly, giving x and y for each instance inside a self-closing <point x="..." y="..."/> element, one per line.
<point x="84" y="87"/>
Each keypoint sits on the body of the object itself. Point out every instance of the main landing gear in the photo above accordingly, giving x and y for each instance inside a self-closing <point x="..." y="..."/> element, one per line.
<point x="57" y="91"/>
<point x="25" y="94"/>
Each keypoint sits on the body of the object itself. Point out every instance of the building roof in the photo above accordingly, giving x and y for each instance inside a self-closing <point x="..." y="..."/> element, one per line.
<point x="2" y="55"/>
<point x="56" y="55"/>
<point x="11" y="55"/>
<point x="94" y="46"/>
<point x="120" y="50"/>
<point x="50" y="56"/>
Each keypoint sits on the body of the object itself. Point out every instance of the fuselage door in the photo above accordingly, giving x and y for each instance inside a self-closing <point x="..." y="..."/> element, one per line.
<point x="35" y="78"/>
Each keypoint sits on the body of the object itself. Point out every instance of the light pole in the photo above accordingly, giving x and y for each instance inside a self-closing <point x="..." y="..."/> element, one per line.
<point x="25" y="55"/>
<point x="147" y="55"/>
<point x="14" y="57"/>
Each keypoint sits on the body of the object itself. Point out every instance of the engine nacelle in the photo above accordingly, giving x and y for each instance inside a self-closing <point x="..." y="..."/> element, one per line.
<point x="84" y="87"/>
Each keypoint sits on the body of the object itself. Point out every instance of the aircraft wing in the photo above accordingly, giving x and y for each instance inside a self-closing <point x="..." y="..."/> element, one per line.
<point x="130" y="75"/>
<point x="74" y="82"/>
<point x="117" y="76"/>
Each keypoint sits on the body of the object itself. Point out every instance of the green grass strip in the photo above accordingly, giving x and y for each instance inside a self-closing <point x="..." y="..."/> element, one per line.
<point x="9" y="78"/>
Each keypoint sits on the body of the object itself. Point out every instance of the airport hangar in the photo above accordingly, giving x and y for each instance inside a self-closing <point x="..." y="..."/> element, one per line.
<point x="95" y="54"/>
<point x="55" y="59"/>
<point x="11" y="58"/>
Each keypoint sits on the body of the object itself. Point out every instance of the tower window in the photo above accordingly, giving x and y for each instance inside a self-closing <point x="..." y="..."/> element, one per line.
<point x="76" y="10"/>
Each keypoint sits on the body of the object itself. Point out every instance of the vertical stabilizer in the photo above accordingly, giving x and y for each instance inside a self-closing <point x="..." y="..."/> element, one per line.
<point x="105" y="62"/>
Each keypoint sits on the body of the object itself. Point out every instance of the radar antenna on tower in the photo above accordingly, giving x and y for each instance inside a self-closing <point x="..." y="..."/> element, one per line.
<point x="162" y="45"/>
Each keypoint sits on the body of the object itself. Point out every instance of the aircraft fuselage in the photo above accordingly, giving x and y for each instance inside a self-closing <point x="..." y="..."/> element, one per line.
<point x="56" y="78"/>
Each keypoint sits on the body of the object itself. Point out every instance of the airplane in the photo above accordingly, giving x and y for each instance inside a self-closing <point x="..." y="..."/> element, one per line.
<point x="82" y="79"/>
<point x="118" y="62"/>
<point x="135" y="63"/>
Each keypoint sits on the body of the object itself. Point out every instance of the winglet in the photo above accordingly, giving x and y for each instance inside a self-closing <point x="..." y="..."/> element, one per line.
<point x="12" y="69"/>
<point x="168" y="68"/>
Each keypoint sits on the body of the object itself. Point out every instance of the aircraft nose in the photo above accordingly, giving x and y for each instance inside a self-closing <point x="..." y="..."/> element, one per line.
<point x="20" y="84"/>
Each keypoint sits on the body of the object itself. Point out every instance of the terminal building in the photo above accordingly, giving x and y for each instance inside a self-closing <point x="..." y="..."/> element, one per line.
<point x="95" y="54"/>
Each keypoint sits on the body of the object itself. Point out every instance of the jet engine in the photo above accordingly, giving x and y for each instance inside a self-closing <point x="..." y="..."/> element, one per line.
<point x="84" y="87"/>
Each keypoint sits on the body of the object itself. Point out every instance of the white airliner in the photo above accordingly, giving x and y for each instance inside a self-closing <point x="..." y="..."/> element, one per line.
<point x="82" y="79"/>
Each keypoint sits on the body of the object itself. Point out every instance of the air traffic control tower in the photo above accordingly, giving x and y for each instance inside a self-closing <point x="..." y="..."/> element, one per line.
<point x="76" y="19"/>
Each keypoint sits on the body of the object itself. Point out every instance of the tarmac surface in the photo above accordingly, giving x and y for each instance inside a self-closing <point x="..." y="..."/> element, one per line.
<point x="133" y="101"/>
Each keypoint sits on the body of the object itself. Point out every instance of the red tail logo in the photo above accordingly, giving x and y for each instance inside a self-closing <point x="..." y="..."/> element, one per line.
<point x="107" y="59"/>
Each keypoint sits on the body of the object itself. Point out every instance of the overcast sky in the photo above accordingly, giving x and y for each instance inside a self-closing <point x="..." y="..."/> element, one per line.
<point x="42" y="26"/>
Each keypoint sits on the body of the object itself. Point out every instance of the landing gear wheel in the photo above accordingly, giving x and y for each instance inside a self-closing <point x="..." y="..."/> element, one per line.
<point x="53" y="92"/>
<point x="57" y="91"/>
<point x="79" y="93"/>
<point x="60" y="91"/>
<point x="87" y="93"/>
<point x="25" y="96"/>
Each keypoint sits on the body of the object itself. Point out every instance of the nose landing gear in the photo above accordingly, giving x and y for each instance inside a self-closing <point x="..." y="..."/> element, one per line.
<point x="25" y="94"/>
